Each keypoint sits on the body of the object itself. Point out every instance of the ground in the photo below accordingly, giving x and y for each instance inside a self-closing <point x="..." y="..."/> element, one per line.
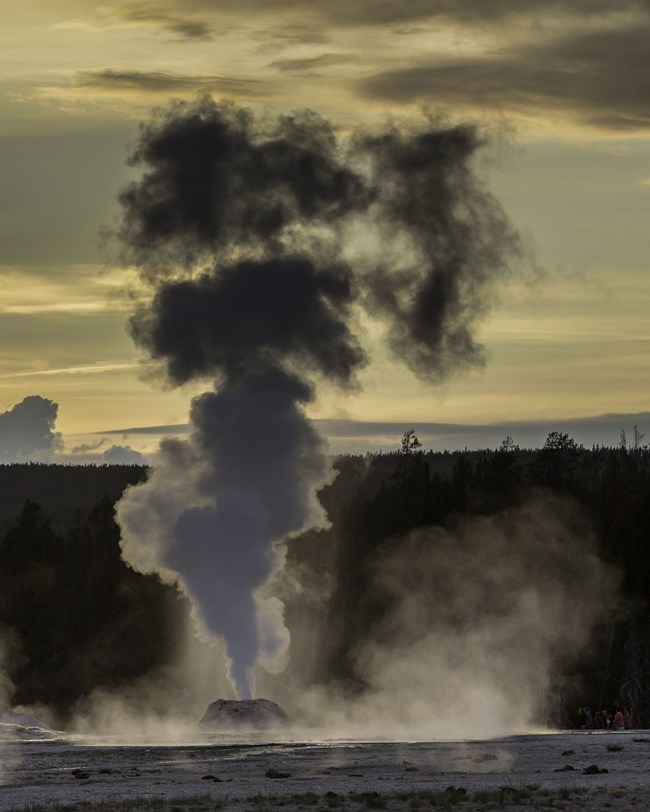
<point x="531" y="771"/>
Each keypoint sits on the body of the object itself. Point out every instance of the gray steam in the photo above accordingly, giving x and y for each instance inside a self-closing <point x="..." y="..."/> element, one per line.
<point x="457" y="239"/>
<point x="27" y="430"/>
<point x="480" y="621"/>
<point x="260" y="240"/>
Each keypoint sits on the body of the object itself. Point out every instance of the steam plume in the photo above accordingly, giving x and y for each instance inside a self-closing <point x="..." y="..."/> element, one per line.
<point x="251" y="234"/>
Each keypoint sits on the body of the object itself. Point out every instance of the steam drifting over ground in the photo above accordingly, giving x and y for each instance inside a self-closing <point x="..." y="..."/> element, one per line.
<point x="262" y="240"/>
<point x="480" y="622"/>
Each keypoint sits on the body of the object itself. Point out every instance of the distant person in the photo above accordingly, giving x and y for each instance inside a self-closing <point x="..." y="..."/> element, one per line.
<point x="599" y="720"/>
<point x="589" y="719"/>
<point x="619" y="720"/>
<point x="627" y="718"/>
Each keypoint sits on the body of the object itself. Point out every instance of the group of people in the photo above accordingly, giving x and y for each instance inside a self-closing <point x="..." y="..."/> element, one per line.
<point x="620" y="718"/>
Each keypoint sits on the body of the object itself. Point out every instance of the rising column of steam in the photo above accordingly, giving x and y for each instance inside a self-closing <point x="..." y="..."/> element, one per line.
<point x="240" y="226"/>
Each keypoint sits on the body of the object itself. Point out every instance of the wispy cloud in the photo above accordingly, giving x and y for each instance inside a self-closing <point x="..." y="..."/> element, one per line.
<point x="273" y="39"/>
<point x="164" y="82"/>
<point x="77" y="24"/>
<point x="144" y="15"/>
<point x="598" y="77"/>
<point x="382" y="12"/>
<point x="150" y="14"/>
<point x="76" y="291"/>
<point x="86" y="369"/>
<point x="74" y="308"/>
<point x="312" y="64"/>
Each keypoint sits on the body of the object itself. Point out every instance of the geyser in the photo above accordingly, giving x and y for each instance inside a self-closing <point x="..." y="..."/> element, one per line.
<point x="260" y="241"/>
<point x="252" y="714"/>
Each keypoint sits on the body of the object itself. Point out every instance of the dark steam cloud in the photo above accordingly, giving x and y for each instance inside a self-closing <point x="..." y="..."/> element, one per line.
<point x="260" y="239"/>
<point x="459" y="237"/>
<point x="220" y="183"/>
<point x="217" y="180"/>
<point x="251" y="317"/>
<point x="27" y="430"/>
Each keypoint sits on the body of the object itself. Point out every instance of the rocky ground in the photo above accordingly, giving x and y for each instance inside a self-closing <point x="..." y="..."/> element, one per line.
<point x="599" y="771"/>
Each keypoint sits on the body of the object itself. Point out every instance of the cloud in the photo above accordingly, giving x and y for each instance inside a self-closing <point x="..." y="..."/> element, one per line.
<point x="586" y="60"/>
<point x="382" y="12"/>
<point x="174" y="428"/>
<point x="290" y="35"/>
<point x="164" y="82"/>
<point x="87" y="369"/>
<point x="27" y="430"/>
<point x="122" y="455"/>
<point x="145" y="15"/>
<point x="184" y="28"/>
<point x="599" y="77"/>
<point x="473" y="11"/>
<point x="310" y="64"/>
<point x="85" y="448"/>
<point x="90" y="454"/>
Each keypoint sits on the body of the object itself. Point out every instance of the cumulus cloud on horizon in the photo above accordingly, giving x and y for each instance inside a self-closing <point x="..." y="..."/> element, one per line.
<point x="27" y="430"/>
<point x="27" y="434"/>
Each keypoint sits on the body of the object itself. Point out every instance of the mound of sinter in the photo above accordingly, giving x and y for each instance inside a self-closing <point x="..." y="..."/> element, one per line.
<point x="251" y="714"/>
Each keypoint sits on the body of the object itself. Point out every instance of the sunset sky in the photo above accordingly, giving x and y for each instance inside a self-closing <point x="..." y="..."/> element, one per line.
<point x="561" y="88"/>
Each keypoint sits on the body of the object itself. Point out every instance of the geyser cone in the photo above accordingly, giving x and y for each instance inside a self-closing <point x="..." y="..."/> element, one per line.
<point x="237" y="714"/>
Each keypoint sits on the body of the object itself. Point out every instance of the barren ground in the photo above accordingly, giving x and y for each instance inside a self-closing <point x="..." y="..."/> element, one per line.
<point x="502" y="773"/>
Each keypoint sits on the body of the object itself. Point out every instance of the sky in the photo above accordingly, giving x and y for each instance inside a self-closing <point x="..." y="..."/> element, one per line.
<point x="560" y="89"/>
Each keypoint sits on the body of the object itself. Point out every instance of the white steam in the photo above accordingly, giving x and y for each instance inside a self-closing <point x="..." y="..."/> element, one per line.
<point x="212" y="514"/>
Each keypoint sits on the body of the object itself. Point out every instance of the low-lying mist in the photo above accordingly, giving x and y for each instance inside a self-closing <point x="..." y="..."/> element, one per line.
<point x="475" y="624"/>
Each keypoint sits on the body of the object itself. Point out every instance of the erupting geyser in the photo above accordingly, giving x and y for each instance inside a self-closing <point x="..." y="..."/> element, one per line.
<point x="260" y="241"/>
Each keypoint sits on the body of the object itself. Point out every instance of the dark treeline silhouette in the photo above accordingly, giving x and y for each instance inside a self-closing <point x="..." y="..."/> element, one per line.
<point x="61" y="490"/>
<point x="74" y="617"/>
